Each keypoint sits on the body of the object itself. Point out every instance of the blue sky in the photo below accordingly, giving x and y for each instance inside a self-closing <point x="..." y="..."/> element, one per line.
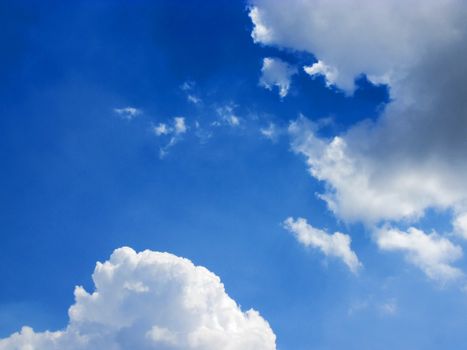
<point x="93" y="160"/>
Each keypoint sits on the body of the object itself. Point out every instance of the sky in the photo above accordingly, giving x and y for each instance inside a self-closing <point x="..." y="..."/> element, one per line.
<point x="233" y="175"/>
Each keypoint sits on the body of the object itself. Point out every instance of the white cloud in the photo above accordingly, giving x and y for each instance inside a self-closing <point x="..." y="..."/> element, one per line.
<point x="261" y="33"/>
<point x="335" y="245"/>
<point x="233" y="120"/>
<point x="179" y="125"/>
<point x="329" y="73"/>
<point x="175" y="132"/>
<point x="431" y="253"/>
<point x="381" y="39"/>
<point x="460" y="225"/>
<point x="152" y="300"/>
<point x="161" y="129"/>
<point x="128" y="113"/>
<point x="363" y="187"/>
<point x="413" y="157"/>
<point x="276" y="73"/>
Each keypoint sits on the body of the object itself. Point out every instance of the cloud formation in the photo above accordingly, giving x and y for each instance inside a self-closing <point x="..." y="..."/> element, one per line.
<point x="152" y="300"/>
<point x="336" y="245"/>
<point x="381" y="39"/>
<point x="276" y="73"/>
<point x="413" y="157"/>
<point x="431" y="253"/>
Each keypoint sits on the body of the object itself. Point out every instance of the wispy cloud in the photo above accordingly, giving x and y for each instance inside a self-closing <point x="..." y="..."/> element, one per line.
<point x="193" y="99"/>
<point x="227" y="116"/>
<point x="336" y="245"/>
<point x="128" y="113"/>
<point x="432" y="253"/>
<point x="271" y="131"/>
<point x="177" y="128"/>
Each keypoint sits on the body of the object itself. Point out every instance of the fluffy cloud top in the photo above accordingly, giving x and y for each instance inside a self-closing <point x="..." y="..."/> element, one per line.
<point x="152" y="300"/>
<point x="276" y="73"/>
<point x="430" y="252"/>
<point x="335" y="245"/>
<point x="363" y="187"/>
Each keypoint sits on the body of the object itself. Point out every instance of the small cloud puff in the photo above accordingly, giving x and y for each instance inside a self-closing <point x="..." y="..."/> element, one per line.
<point x="171" y="304"/>
<point x="175" y="131"/>
<point x="187" y="85"/>
<point x="128" y="113"/>
<point x="180" y="126"/>
<point x="276" y="72"/>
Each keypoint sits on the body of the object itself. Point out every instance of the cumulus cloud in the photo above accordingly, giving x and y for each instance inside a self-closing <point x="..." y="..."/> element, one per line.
<point x="381" y="39"/>
<point x="432" y="253"/>
<point x="276" y="73"/>
<point x="336" y="245"/>
<point x="152" y="300"/>
<point x="413" y="157"/>
<point x="362" y="187"/>
<point x="128" y="113"/>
